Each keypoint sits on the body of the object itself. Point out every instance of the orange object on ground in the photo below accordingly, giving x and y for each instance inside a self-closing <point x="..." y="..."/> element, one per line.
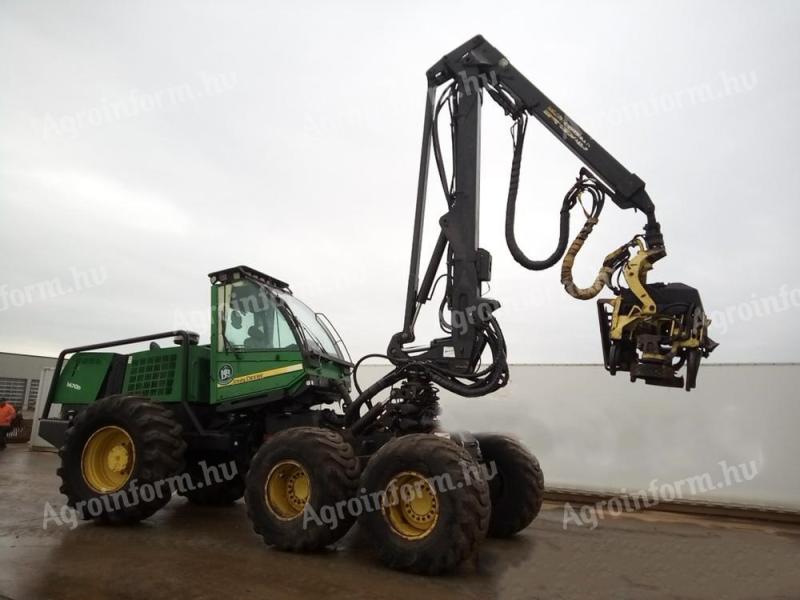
<point x="7" y="414"/>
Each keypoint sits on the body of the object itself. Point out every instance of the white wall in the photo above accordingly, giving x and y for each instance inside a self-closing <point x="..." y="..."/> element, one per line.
<point x="595" y="432"/>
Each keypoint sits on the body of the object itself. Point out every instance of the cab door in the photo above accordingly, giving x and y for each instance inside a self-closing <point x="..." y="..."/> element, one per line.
<point x="254" y="350"/>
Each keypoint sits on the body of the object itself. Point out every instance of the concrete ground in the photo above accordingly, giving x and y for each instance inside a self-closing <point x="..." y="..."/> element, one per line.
<point x="190" y="552"/>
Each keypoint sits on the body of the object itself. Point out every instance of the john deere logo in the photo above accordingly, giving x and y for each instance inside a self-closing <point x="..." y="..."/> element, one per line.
<point x="225" y="374"/>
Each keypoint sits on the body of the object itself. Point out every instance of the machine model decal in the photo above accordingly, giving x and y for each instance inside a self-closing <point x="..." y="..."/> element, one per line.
<point x="255" y="376"/>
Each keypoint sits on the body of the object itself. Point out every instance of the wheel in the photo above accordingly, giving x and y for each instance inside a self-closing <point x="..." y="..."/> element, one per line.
<point x="516" y="484"/>
<point x="216" y="480"/>
<point x="297" y="486"/>
<point x="430" y="508"/>
<point x="117" y="459"/>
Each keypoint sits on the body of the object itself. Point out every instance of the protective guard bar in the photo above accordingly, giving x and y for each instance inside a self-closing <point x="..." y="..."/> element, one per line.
<point x="187" y="338"/>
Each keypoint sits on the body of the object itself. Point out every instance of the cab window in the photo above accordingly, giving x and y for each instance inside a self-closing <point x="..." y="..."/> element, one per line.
<point x="251" y="321"/>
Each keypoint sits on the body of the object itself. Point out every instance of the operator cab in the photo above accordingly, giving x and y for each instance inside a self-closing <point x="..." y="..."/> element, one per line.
<point x="259" y="312"/>
<point x="266" y="343"/>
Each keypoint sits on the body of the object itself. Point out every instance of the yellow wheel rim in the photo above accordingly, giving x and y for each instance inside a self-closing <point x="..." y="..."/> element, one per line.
<point x="287" y="490"/>
<point x="411" y="505"/>
<point x="108" y="459"/>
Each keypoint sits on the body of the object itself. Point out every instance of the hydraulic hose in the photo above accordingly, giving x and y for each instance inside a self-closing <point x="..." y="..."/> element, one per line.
<point x="584" y="183"/>
<point x="513" y="187"/>
<point x="490" y="379"/>
<point x="484" y="382"/>
<point x="352" y="412"/>
<point x="603" y="276"/>
<point x="589" y="185"/>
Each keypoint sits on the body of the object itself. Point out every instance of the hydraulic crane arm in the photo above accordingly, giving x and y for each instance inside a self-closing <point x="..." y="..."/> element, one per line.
<point x="650" y="330"/>
<point x="478" y="64"/>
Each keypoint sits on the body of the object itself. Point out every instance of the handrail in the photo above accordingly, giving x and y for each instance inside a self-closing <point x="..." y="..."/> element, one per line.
<point x="335" y="335"/>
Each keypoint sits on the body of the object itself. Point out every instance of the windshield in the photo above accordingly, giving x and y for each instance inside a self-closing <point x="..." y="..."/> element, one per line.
<point x="316" y="333"/>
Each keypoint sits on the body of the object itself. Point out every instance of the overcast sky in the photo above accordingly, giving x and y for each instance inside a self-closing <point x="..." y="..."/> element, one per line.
<point x="144" y="144"/>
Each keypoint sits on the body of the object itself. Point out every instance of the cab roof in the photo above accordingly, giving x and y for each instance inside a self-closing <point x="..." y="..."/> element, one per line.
<point x="244" y="272"/>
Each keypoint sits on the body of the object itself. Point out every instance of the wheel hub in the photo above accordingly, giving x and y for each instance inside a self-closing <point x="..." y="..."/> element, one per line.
<point x="411" y="506"/>
<point x="107" y="459"/>
<point x="287" y="490"/>
<point x="118" y="458"/>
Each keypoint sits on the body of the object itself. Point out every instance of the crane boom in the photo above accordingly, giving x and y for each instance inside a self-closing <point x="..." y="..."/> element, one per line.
<point x="651" y="330"/>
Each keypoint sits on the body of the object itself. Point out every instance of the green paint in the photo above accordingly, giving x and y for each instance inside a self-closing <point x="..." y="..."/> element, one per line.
<point x="222" y="371"/>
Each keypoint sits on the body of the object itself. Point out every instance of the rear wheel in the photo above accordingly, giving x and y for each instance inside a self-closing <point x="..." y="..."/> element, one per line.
<point x="117" y="458"/>
<point x="431" y="508"/>
<point x="517" y="484"/>
<point x="298" y="484"/>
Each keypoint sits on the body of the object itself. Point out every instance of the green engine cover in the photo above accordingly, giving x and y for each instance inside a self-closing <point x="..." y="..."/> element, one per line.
<point x="82" y="378"/>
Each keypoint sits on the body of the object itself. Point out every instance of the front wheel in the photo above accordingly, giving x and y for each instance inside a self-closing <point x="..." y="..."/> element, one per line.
<point x="298" y="486"/>
<point x="118" y="458"/>
<point x="431" y="505"/>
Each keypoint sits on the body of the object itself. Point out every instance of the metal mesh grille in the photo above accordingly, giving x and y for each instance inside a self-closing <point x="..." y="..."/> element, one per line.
<point x="152" y="375"/>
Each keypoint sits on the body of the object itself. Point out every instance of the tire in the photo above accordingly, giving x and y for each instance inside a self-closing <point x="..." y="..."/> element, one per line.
<point x="447" y="529"/>
<point x="329" y="476"/>
<point x="156" y="453"/>
<point x="517" y="487"/>
<point x="222" y="488"/>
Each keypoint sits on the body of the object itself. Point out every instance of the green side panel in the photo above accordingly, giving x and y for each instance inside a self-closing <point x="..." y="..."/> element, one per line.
<point x="243" y="374"/>
<point x="155" y="374"/>
<point x="82" y="377"/>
